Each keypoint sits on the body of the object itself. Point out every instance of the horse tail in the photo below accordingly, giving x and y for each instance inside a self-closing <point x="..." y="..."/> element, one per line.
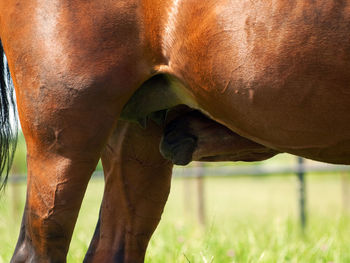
<point x="8" y="120"/>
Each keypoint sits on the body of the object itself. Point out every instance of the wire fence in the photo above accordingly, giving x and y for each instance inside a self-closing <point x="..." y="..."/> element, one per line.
<point x="300" y="168"/>
<point x="253" y="169"/>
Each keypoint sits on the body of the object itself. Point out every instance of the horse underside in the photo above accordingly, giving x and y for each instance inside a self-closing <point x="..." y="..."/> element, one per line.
<point x="191" y="80"/>
<point x="189" y="135"/>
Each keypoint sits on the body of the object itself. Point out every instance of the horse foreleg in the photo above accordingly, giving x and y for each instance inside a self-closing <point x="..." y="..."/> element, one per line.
<point x="137" y="186"/>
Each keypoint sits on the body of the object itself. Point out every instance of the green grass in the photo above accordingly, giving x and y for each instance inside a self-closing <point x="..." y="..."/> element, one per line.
<point x="249" y="219"/>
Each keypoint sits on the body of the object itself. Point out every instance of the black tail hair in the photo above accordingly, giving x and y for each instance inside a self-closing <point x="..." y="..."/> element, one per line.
<point x="8" y="120"/>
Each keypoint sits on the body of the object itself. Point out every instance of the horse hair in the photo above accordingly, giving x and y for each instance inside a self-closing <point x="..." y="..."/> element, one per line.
<point x="8" y="128"/>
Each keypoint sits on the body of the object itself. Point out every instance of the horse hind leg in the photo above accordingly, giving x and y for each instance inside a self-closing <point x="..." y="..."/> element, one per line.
<point x="65" y="135"/>
<point x="137" y="186"/>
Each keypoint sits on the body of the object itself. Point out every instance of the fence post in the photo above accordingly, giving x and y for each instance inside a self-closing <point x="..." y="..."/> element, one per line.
<point x="345" y="191"/>
<point x="200" y="192"/>
<point x="302" y="192"/>
<point x="188" y="194"/>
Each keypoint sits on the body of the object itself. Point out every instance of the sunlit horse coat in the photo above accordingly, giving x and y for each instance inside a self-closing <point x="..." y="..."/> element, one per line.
<point x="257" y="78"/>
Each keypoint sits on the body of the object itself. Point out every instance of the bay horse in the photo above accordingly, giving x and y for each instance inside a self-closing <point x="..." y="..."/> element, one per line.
<point x="143" y="84"/>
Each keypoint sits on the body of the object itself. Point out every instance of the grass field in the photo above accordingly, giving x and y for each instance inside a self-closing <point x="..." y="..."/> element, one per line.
<point x="249" y="219"/>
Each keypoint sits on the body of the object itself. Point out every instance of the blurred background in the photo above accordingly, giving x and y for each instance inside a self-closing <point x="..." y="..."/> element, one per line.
<point x="285" y="209"/>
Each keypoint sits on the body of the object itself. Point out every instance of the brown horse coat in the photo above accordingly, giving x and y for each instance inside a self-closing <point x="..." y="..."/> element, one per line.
<point x="275" y="73"/>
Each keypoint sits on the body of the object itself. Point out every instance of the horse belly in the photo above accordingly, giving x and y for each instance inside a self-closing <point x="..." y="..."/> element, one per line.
<point x="277" y="74"/>
<point x="307" y="120"/>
